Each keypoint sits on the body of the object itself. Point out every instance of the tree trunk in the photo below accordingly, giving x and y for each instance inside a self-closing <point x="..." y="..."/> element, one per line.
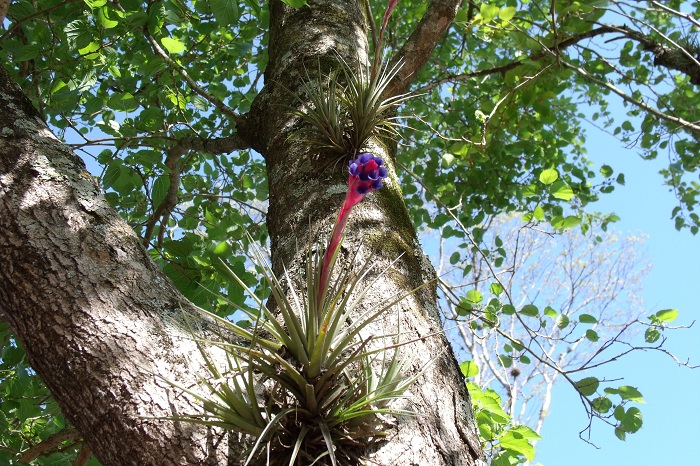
<point x="89" y="305"/>
<point x="306" y="191"/>
<point x="96" y="316"/>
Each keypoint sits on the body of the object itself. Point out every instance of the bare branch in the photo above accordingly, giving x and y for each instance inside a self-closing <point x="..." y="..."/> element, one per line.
<point x="514" y="64"/>
<point x="49" y="444"/>
<point x="687" y="125"/>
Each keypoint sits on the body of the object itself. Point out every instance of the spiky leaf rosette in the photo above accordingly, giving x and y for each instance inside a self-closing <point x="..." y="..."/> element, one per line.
<point x="343" y="118"/>
<point x="301" y="381"/>
<point x="325" y="118"/>
<point x="369" y="112"/>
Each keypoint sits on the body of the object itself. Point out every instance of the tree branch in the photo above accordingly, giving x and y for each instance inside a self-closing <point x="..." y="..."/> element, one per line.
<point x="687" y="125"/>
<point x="514" y="64"/>
<point x="228" y="111"/>
<point x="416" y="52"/>
<point x="49" y="443"/>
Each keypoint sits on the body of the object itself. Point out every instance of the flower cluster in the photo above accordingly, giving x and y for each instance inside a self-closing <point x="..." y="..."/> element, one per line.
<point x="366" y="175"/>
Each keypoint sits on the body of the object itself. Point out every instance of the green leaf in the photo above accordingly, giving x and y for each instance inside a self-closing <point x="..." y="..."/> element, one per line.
<point x="469" y="369"/>
<point x="549" y="176"/>
<point x="496" y="288"/>
<point x="173" y="45"/>
<point x="488" y="12"/>
<point x="652" y="335"/>
<point x="667" y="315"/>
<point x="633" y="420"/>
<point x="474" y="296"/>
<point x="507" y="13"/>
<point x="448" y="159"/>
<point x="226" y="12"/>
<point x="538" y="213"/>
<point x="222" y="248"/>
<point x="123" y="102"/>
<point x="506" y="361"/>
<point x="105" y="22"/>
<point x="626" y="393"/>
<point x="620" y="433"/>
<point x="517" y="439"/>
<point x="587" y="386"/>
<point x="606" y="171"/>
<point x="592" y="335"/>
<point x="587" y="319"/>
<point x="160" y="190"/>
<point x="529" y="310"/>
<point x="562" y="321"/>
<point x="561" y="190"/>
<point x="602" y="404"/>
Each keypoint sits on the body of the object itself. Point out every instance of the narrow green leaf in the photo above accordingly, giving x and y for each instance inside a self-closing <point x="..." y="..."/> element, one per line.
<point x="587" y="319"/>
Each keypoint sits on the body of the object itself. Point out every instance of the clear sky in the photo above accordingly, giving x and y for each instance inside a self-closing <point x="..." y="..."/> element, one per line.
<point x="670" y="435"/>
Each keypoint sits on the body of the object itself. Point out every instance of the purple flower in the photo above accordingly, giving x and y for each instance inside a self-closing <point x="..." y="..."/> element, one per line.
<point x="366" y="174"/>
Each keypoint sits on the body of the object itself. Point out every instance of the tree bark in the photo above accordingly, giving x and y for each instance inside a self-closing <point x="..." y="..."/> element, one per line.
<point x="95" y="314"/>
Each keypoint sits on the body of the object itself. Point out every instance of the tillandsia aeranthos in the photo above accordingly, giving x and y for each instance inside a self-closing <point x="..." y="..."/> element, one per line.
<point x="324" y="386"/>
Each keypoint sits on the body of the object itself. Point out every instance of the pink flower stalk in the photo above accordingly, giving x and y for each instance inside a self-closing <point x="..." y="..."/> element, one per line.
<point x="378" y="45"/>
<point x="366" y="175"/>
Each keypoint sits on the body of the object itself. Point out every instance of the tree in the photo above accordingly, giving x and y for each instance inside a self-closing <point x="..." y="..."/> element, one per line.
<point x="591" y="304"/>
<point x="196" y="149"/>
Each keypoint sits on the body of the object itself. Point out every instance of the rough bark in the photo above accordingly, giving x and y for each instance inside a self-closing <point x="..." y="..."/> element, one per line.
<point x="88" y="304"/>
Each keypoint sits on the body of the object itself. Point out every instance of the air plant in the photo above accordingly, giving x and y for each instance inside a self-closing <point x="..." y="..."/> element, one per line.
<point x="301" y="381"/>
<point x="343" y="117"/>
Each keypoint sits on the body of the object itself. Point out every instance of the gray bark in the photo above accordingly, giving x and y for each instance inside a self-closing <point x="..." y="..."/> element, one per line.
<point x="87" y="302"/>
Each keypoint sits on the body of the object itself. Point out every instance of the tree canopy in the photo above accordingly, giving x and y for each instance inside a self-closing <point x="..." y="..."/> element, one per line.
<point x="157" y="96"/>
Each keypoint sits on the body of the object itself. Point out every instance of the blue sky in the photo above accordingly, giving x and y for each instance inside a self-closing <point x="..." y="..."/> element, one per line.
<point x="671" y="414"/>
